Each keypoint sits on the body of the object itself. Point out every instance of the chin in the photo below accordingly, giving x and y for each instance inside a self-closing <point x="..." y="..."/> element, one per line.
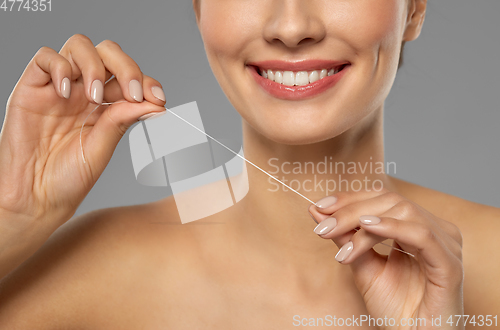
<point x="293" y="131"/>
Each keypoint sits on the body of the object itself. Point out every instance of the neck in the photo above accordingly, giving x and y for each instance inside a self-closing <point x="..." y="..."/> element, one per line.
<point x="276" y="217"/>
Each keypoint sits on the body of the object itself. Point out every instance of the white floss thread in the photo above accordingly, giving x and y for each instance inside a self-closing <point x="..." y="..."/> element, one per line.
<point x="246" y="160"/>
<point x="257" y="167"/>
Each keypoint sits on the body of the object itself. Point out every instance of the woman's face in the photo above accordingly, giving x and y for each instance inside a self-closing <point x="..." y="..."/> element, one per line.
<point x="297" y="40"/>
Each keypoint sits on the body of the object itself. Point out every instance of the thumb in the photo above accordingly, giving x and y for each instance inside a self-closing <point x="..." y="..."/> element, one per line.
<point x="366" y="268"/>
<point x="356" y="250"/>
<point x="100" y="143"/>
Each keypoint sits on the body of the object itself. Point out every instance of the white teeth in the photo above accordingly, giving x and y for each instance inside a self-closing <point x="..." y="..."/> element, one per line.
<point x="301" y="78"/>
<point x="313" y="76"/>
<point x="270" y="75"/>
<point x="288" y="78"/>
<point x="278" y="77"/>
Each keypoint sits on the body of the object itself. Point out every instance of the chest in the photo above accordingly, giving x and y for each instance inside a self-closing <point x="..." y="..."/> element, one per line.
<point x="211" y="305"/>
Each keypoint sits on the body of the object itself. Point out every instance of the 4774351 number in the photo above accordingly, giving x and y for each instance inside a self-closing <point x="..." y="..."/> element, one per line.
<point x="26" y="5"/>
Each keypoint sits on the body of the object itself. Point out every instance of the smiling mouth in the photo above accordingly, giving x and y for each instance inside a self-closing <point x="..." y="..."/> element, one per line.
<point x="299" y="78"/>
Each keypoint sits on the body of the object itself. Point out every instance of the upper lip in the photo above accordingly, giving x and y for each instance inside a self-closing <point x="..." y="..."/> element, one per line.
<point x="304" y="65"/>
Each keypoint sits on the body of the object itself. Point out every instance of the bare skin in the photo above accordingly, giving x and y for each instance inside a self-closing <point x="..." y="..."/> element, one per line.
<point x="139" y="267"/>
<point x="257" y="264"/>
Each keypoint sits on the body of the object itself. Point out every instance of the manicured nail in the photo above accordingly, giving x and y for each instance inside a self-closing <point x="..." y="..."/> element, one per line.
<point x="369" y="219"/>
<point x="97" y="91"/>
<point x="344" y="252"/>
<point x="325" y="226"/>
<point x="158" y="93"/>
<point x="312" y="216"/>
<point x="66" y="88"/>
<point x="326" y="202"/>
<point x="135" y="90"/>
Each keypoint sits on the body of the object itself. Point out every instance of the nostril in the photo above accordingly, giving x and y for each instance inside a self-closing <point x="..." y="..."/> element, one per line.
<point x="305" y="41"/>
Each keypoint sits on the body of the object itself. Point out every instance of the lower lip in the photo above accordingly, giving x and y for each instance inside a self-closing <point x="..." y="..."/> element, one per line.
<point x="295" y="93"/>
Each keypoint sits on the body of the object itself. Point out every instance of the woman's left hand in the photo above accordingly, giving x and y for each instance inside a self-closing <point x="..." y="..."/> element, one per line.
<point x="398" y="286"/>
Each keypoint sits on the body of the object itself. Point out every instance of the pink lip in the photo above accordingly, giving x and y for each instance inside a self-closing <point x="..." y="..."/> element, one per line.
<point x="297" y="92"/>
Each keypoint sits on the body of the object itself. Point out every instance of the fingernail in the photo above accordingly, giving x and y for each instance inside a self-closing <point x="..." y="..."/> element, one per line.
<point x="312" y="216"/>
<point x="152" y="114"/>
<point x="158" y="93"/>
<point x="325" y="226"/>
<point x="369" y="219"/>
<point x="326" y="202"/>
<point x="97" y="91"/>
<point x="344" y="252"/>
<point x="135" y="90"/>
<point x="66" y="88"/>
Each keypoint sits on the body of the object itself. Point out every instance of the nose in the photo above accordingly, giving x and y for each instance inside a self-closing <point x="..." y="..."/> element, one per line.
<point x="294" y="23"/>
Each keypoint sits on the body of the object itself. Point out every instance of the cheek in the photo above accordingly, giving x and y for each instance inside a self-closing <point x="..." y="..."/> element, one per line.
<point x="369" y="25"/>
<point x="226" y="27"/>
<point x="231" y="32"/>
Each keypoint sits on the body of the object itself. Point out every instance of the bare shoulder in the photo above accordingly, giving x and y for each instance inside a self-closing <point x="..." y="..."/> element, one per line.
<point x="449" y="207"/>
<point x="85" y="265"/>
<point x="479" y="225"/>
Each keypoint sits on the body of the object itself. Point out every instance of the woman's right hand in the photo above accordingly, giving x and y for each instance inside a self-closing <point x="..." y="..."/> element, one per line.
<point x="42" y="173"/>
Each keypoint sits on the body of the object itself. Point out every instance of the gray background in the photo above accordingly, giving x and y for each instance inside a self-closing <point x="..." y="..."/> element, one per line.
<point x="441" y="117"/>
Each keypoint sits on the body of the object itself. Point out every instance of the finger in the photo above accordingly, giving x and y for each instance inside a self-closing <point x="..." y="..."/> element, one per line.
<point x="47" y="65"/>
<point x="153" y="91"/>
<point x="406" y="210"/>
<point x="100" y="141"/>
<point x="327" y="224"/>
<point x="414" y="237"/>
<point x="365" y="265"/>
<point x="348" y="216"/>
<point x="85" y="62"/>
<point x="124" y="68"/>
<point x="364" y="241"/>
<point x="332" y="203"/>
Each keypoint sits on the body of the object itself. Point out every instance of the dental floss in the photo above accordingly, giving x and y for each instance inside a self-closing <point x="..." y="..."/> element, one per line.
<point x="257" y="167"/>
<point x="295" y="191"/>
<point x="246" y="160"/>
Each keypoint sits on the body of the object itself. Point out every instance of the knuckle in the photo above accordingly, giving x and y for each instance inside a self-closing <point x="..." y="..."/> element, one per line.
<point x="405" y="207"/>
<point x="426" y="234"/>
<point x="80" y="38"/>
<point x="151" y="81"/>
<point x="340" y="195"/>
<point x="393" y="197"/>
<point x="109" y="44"/>
<point x="61" y="62"/>
<point x="45" y="51"/>
<point x="451" y="230"/>
<point x="65" y="64"/>
<point x="456" y="234"/>
<point x="347" y="212"/>
<point x="384" y="190"/>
